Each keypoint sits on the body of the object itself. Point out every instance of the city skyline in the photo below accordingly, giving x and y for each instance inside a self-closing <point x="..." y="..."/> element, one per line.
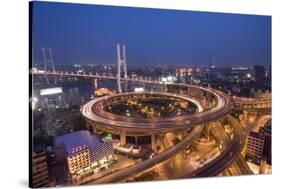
<point x="83" y="34"/>
<point x="182" y="95"/>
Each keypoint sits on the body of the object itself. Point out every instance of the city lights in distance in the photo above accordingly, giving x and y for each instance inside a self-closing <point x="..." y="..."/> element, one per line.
<point x="169" y="79"/>
<point x="139" y="89"/>
<point x="50" y="91"/>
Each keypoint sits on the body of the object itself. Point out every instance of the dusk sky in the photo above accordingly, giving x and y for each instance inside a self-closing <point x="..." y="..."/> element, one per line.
<point x="88" y="34"/>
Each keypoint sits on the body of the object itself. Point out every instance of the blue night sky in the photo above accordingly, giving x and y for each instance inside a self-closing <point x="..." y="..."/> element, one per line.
<point x="87" y="34"/>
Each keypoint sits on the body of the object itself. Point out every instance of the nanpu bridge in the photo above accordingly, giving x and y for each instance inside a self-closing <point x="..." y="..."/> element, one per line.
<point x="212" y="106"/>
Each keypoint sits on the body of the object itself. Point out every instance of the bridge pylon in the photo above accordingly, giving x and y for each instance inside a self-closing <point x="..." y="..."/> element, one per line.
<point x="121" y="63"/>
<point x="48" y="60"/>
<point x="95" y="83"/>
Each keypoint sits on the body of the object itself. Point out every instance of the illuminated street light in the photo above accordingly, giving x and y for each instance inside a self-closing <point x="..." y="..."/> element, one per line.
<point x="34" y="101"/>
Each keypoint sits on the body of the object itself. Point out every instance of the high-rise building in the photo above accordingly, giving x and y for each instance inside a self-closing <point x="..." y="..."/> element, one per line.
<point x="83" y="152"/>
<point x="210" y="61"/>
<point x="266" y="134"/>
<point x="260" y="72"/>
<point x="255" y="146"/>
<point x="184" y="74"/>
<point x="40" y="175"/>
<point x="181" y="74"/>
<point x="259" y="144"/>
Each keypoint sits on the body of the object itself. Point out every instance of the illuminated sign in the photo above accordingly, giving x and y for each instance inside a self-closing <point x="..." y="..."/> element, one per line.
<point x="169" y="79"/>
<point x="240" y="68"/>
<point x="139" y="89"/>
<point x="50" y="91"/>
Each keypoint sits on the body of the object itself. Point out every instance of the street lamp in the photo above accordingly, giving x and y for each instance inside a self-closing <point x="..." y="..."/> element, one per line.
<point x="34" y="100"/>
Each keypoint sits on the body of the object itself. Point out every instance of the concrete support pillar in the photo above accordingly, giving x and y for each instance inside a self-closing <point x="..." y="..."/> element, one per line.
<point x="208" y="97"/>
<point x="262" y="165"/>
<point x="153" y="142"/>
<point x="164" y="87"/>
<point x="181" y="134"/>
<point x="91" y="127"/>
<point x="122" y="138"/>
<point x="95" y="83"/>
<point x="207" y="131"/>
<point x="95" y="129"/>
<point x="245" y="115"/>
<point x="180" y="90"/>
<point x="143" y="86"/>
<point x="60" y="100"/>
<point x="88" y="125"/>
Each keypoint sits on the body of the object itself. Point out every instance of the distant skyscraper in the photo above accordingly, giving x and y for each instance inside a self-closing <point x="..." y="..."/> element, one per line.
<point x="259" y="72"/>
<point x="210" y="61"/>
<point x="181" y="74"/>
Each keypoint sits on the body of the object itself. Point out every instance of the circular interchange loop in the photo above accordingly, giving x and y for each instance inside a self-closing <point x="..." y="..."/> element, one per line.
<point x="145" y="107"/>
<point x="93" y="112"/>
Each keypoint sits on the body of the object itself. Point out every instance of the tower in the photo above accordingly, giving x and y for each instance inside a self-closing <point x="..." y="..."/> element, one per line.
<point x="210" y="65"/>
<point x="121" y="63"/>
<point x="210" y="61"/>
<point x="48" y="60"/>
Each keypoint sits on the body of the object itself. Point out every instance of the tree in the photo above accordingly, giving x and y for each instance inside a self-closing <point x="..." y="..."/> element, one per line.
<point x="158" y="147"/>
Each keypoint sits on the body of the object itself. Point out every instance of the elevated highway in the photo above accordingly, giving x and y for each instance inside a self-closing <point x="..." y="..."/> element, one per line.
<point x="93" y="112"/>
<point x="252" y="105"/>
<point x="228" y="156"/>
<point x="128" y="172"/>
<point x="223" y="140"/>
<point x="221" y="108"/>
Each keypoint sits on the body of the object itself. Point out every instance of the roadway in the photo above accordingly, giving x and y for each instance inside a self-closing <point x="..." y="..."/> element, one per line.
<point x="128" y="172"/>
<point x="230" y="153"/>
<point x="240" y="166"/>
<point x="215" y="167"/>
<point x="252" y="105"/>
<point x="93" y="111"/>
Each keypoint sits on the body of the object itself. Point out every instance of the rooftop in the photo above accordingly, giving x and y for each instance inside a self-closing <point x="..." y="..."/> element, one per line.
<point x="77" y="141"/>
<point x="267" y="127"/>
<point x="254" y="134"/>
